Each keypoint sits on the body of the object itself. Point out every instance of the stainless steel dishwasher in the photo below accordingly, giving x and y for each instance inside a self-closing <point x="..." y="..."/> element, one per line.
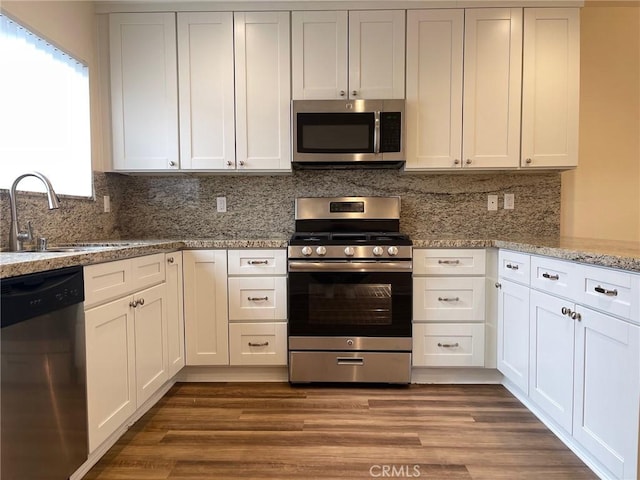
<point x="43" y="414"/>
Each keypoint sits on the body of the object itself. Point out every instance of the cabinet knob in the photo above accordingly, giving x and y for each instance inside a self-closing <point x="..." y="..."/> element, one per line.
<point x="133" y="304"/>
<point x="141" y="301"/>
<point x="498" y="285"/>
<point x="354" y="93"/>
<point x="242" y="163"/>
<point x="456" y="161"/>
<point x="342" y="93"/>
<point x="567" y="311"/>
<point x="468" y="161"/>
<point x="172" y="163"/>
<point x="576" y="316"/>
<point x="229" y="163"/>
<point x="528" y="161"/>
<point x="170" y="260"/>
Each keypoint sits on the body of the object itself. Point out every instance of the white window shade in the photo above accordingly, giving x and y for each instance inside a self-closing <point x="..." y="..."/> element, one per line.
<point x="44" y="114"/>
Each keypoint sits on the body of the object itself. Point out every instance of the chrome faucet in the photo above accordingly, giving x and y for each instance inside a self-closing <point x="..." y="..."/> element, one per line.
<point x="16" y="237"/>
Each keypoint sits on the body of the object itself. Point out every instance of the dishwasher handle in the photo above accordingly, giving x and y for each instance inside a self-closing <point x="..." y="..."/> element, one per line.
<point x="29" y="296"/>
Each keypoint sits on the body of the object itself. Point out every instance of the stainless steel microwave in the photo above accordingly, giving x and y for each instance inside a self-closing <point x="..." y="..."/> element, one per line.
<point x="348" y="133"/>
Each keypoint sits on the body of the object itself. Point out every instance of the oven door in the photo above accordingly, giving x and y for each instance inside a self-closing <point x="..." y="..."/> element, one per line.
<point x="348" y="298"/>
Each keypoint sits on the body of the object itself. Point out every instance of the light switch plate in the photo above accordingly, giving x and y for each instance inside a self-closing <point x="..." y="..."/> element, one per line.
<point x="509" y="201"/>
<point x="221" y="204"/>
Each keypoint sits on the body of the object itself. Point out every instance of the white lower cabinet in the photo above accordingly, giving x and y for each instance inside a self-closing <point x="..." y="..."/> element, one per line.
<point x="126" y="345"/>
<point x="449" y="308"/>
<point x="551" y="334"/>
<point x="206" y="318"/>
<point x="257" y="287"/>
<point x="579" y="367"/>
<point x="175" y="313"/>
<point x="513" y="333"/>
<point x="607" y="391"/>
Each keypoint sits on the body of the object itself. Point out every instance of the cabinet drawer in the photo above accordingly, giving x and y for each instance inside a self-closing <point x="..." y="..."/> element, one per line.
<point x="257" y="262"/>
<point x="258" y="343"/>
<point x="612" y="291"/>
<point x="448" y="345"/>
<point x="449" y="261"/>
<point x="448" y="299"/>
<point x="107" y="281"/>
<point x="147" y="271"/>
<point x="554" y="276"/>
<point x="258" y="298"/>
<point x="514" y="266"/>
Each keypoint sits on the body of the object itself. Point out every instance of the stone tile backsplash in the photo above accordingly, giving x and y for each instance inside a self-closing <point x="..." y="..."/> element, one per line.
<point x="260" y="206"/>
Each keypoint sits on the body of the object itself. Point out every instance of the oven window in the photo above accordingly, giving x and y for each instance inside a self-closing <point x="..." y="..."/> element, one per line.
<point x="341" y="303"/>
<point x="335" y="132"/>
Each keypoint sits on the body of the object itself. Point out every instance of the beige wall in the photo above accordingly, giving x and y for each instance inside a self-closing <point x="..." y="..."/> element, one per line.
<point x="601" y="198"/>
<point x="70" y="25"/>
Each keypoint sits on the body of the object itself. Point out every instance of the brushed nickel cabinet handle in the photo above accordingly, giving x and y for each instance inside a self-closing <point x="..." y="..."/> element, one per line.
<point x="468" y="161"/>
<point x="566" y="311"/>
<point x="133" y="304"/>
<point x="528" y="161"/>
<point x="604" y="291"/>
<point x="448" y="262"/>
<point x="257" y="299"/>
<point x="550" y="277"/>
<point x="141" y="301"/>
<point x="258" y="262"/>
<point x="498" y="285"/>
<point x="448" y="345"/>
<point x="456" y="161"/>
<point x="512" y="267"/>
<point x="170" y="260"/>
<point x="448" y="299"/>
<point x="263" y="344"/>
<point x="576" y="316"/>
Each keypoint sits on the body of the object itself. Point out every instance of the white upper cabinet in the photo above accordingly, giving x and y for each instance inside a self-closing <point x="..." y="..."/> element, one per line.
<point x="434" y="88"/>
<point x="368" y="62"/>
<point x="376" y="54"/>
<point x="144" y="91"/>
<point x="492" y="88"/>
<point x="263" y="91"/>
<point x="471" y="120"/>
<point x="205" y="67"/>
<point x="319" y="55"/>
<point x="551" y="87"/>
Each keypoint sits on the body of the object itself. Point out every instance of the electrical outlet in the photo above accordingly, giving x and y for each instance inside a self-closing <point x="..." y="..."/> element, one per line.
<point x="509" y="201"/>
<point x="221" y="204"/>
<point x="492" y="202"/>
<point x="107" y="203"/>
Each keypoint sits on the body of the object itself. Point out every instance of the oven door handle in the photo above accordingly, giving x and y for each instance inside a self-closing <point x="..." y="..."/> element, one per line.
<point x="346" y="266"/>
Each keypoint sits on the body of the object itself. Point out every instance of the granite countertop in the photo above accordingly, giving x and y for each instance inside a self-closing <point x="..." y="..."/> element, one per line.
<point x="613" y="254"/>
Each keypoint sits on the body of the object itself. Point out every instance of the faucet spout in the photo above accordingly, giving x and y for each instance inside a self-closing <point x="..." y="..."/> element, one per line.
<point x="16" y="237"/>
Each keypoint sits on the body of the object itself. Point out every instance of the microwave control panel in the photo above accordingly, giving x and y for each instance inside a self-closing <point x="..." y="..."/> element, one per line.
<point x="390" y="131"/>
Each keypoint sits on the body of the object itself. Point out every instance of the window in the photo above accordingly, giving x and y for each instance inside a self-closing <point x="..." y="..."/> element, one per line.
<point x="44" y="114"/>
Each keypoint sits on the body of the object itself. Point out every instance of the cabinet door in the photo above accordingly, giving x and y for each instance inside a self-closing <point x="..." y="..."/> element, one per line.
<point x="434" y="88"/>
<point x="111" y="389"/>
<point x="513" y="333"/>
<point x="144" y="91"/>
<point x="607" y="388"/>
<point x="492" y="87"/>
<point x="319" y="55"/>
<point x="205" y="307"/>
<point x="550" y="87"/>
<point x="150" y="327"/>
<point x="175" y="313"/>
<point x="376" y="54"/>
<point x="551" y="357"/>
<point x="205" y="65"/>
<point x="263" y="90"/>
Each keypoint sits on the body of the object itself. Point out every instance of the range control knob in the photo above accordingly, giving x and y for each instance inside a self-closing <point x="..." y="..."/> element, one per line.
<point x="322" y="251"/>
<point x="349" y="251"/>
<point x="306" y="251"/>
<point x="393" y="251"/>
<point x="377" y="251"/>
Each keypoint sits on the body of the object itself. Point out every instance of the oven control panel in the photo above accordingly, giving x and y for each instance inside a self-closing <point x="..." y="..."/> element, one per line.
<point x="349" y="251"/>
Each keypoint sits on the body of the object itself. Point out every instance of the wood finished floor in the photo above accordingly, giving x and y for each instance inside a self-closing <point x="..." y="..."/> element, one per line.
<point x="275" y="431"/>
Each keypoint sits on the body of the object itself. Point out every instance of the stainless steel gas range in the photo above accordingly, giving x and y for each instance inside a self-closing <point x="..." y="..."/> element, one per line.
<point x="350" y="292"/>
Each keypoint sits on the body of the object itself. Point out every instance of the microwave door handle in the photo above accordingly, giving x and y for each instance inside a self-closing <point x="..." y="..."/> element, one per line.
<point x="376" y="133"/>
